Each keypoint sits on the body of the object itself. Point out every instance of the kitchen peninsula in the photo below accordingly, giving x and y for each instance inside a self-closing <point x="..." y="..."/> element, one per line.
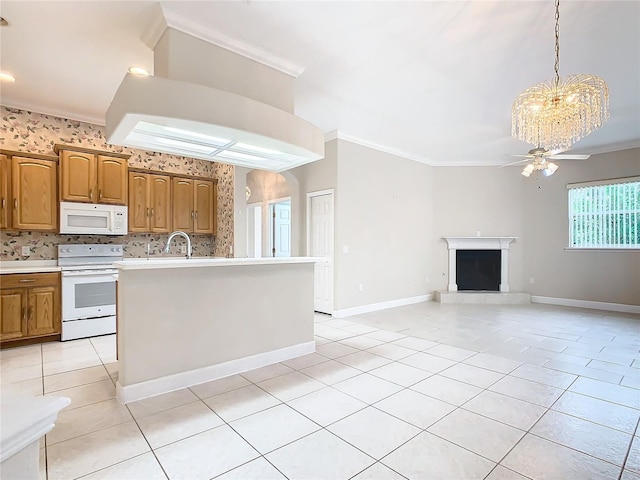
<point x="187" y="321"/>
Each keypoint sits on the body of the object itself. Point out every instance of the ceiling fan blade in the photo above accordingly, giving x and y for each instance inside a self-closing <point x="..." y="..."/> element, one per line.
<point x="521" y="155"/>
<point x="515" y="163"/>
<point x="568" y="157"/>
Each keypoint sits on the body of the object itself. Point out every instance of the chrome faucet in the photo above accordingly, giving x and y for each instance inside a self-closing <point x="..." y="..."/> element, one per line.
<point x="179" y="233"/>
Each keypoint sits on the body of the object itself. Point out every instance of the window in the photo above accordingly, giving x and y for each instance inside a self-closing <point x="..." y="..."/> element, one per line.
<point x="605" y="214"/>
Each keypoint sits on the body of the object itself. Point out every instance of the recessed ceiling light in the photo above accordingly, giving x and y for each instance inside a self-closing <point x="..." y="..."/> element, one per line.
<point x="3" y="22"/>
<point x="139" y="71"/>
<point x="7" y="77"/>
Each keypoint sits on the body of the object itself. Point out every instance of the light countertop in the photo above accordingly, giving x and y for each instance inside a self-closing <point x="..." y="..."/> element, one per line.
<point x="29" y="266"/>
<point x="181" y="262"/>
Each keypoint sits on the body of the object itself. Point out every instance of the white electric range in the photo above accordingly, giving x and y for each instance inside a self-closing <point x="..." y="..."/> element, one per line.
<point x="88" y="289"/>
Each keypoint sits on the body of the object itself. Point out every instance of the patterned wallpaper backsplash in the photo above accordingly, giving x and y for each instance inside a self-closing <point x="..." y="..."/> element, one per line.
<point x="31" y="132"/>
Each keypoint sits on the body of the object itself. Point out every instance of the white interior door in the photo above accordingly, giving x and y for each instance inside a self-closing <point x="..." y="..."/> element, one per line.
<point x="281" y="228"/>
<point x="320" y="237"/>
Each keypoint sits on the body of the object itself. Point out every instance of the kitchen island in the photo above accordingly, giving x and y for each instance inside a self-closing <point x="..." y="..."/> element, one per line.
<point x="188" y="321"/>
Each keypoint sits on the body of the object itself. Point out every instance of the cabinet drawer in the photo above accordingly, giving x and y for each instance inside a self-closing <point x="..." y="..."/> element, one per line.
<point x="14" y="280"/>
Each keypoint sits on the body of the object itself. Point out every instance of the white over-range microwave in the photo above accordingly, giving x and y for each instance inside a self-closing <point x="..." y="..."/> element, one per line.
<point x="93" y="219"/>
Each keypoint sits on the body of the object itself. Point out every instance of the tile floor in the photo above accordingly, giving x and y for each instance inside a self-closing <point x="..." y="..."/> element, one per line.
<point x="427" y="391"/>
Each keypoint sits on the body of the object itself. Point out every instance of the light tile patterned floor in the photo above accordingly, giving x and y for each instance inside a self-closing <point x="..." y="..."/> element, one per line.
<point x="421" y="392"/>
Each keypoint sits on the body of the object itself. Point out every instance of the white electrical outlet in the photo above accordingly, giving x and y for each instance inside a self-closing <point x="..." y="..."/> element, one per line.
<point x="360" y="287"/>
<point x="26" y="251"/>
<point x="183" y="249"/>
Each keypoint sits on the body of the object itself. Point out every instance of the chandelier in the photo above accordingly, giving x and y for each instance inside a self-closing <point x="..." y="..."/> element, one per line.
<point x="557" y="113"/>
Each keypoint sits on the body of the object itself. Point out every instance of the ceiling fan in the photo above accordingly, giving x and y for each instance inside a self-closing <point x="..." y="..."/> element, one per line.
<point x="539" y="159"/>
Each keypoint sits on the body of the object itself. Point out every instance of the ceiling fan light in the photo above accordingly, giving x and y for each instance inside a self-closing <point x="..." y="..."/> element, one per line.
<point x="526" y="171"/>
<point x="550" y="169"/>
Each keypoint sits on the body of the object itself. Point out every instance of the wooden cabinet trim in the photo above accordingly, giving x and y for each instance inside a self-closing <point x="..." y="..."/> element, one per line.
<point x="57" y="148"/>
<point x="173" y="175"/>
<point x="37" y="156"/>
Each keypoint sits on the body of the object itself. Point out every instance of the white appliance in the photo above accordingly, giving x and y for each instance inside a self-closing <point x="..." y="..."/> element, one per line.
<point x="93" y="218"/>
<point x="88" y="289"/>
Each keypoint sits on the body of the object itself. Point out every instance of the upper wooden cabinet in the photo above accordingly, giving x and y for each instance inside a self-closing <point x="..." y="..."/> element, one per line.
<point x="5" y="191"/>
<point x="92" y="176"/>
<point x="194" y="205"/>
<point x="34" y="194"/>
<point x="205" y="200"/>
<point x="149" y="202"/>
<point x="28" y="191"/>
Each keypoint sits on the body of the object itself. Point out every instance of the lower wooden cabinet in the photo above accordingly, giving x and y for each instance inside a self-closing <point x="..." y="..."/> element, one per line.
<point x="29" y="306"/>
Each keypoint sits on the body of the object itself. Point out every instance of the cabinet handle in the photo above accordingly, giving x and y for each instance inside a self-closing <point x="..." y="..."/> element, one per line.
<point x="196" y="214"/>
<point x="24" y="280"/>
<point x="4" y="203"/>
<point x="148" y="214"/>
<point x="91" y="194"/>
<point x="99" y="194"/>
<point x="152" y="212"/>
<point x="193" y="214"/>
<point x="15" y="203"/>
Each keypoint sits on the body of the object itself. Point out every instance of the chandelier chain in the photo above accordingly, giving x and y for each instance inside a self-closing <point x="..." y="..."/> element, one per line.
<point x="557" y="63"/>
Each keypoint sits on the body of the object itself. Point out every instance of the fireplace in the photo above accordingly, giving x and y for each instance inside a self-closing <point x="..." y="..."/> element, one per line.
<point x="478" y="270"/>
<point x="491" y="266"/>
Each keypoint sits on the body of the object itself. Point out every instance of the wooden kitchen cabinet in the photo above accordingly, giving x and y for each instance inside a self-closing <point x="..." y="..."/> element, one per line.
<point x="29" y="306"/>
<point x="149" y="202"/>
<point x="5" y="191"/>
<point x="34" y="194"/>
<point x="28" y="191"/>
<point x="194" y="205"/>
<point x="92" y="176"/>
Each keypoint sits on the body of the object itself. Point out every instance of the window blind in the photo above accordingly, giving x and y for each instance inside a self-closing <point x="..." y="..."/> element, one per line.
<point x="605" y="214"/>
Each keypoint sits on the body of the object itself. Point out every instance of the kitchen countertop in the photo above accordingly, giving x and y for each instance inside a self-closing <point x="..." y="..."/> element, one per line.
<point x="181" y="262"/>
<point x="29" y="266"/>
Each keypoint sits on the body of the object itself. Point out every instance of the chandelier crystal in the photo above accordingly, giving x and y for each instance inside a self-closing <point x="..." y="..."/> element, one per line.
<point x="557" y="113"/>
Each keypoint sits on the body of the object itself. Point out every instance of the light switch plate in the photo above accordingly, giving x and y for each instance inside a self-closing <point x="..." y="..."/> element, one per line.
<point x="26" y="251"/>
<point x="183" y="249"/>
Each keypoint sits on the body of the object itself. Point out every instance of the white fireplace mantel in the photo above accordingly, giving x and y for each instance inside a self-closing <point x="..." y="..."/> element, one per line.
<point x="479" y="243"/>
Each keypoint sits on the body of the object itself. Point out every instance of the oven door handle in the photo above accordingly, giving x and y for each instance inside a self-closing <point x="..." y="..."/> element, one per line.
<point x="89" y="273"/>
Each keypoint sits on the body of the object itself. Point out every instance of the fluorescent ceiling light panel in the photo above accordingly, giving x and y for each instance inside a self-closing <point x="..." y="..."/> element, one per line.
<point x="198" y="121"/>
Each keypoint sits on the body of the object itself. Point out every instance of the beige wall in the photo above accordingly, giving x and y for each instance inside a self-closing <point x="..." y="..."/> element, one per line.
<point x="471" y="199"/>
<point x="384" y="215"/>
<point x="602" y="276"/>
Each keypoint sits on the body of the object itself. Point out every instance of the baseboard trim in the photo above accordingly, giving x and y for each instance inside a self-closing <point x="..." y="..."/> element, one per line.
<point x="569" y="302"/>
<point x="157" y="386"/>
<point x="374" y="307"/>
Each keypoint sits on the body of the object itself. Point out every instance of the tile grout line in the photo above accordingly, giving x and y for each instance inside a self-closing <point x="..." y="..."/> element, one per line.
<point x="626" y="457"/>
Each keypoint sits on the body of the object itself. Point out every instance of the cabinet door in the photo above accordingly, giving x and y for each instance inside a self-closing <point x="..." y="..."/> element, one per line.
<point x="5" y="192"/>
<point x="43" y="317"/>
<point x="160" y="203"/>
<point x="13" y="320"/>
<point x="77" y="177"/>
<point x="182" y="204"/>
<point x="139" y="208"/>
<point x="34" y="194"/>
<point x="204" y="207"/>
<point x="112" y="180"/>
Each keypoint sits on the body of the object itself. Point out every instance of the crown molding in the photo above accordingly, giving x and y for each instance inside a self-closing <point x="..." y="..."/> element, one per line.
<point x="195" y="29"/>
<point x="336" y="134"/>
<point x="54" y="112"/>
<point x="152" y="34"/>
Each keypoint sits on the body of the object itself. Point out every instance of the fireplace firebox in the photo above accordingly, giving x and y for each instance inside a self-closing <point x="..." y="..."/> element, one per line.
<point x="478" y="270"/>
